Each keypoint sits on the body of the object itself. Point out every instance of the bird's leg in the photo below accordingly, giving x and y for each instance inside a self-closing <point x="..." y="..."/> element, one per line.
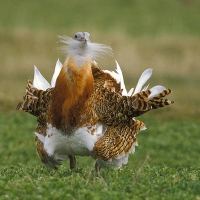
<point x="97" y="168"/>
<point x="72" y="161"/>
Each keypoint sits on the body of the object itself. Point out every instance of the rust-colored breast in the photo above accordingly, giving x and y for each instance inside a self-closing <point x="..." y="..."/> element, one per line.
<point x="74" y="86"/>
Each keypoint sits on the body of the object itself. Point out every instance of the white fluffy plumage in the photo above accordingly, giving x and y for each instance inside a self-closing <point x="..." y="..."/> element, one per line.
<point x="88" y="50"/>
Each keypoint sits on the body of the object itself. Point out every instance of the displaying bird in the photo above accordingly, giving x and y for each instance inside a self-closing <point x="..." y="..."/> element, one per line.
<point x="87" y="111"/>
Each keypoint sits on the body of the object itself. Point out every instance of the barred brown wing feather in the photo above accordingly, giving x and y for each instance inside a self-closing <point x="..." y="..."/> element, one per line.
<point x="29" y="101"/>
<point x="117" y="140"/>
<point x="113" y="108"/>
<point x="163" y="94"/>
<point x="35" y="101"/>
<point x="100" y="77"/>
<point x="158" y="101"/>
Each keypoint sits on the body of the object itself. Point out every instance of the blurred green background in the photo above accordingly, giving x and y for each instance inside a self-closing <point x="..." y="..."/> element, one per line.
<point x="159" y="34"/>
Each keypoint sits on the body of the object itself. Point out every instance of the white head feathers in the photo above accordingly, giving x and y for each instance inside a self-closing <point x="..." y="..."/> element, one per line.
<point x="81" y="46"/>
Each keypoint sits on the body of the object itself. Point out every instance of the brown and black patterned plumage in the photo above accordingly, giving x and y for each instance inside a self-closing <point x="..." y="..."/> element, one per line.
<point x="87" y="100"/>
<point x="106" y="104"/>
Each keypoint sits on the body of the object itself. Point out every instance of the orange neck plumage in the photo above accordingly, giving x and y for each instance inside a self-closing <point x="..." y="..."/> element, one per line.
<point x="74" y="86"/>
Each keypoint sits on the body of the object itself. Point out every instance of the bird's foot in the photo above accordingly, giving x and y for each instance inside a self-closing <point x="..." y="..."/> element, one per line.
<point x="97" y="168"/>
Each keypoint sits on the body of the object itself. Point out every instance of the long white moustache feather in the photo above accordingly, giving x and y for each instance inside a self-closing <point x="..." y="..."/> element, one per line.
<point x="90" y="50"/>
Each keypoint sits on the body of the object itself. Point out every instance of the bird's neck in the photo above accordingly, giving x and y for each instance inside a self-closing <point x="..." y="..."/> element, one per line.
<point x="74" y="86"/>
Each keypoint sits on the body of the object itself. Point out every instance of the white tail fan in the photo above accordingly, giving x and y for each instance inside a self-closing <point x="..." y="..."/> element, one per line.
<point x="145" y="88"/>
<point x="114" y="75"/>
<point x="156" y="90"/>
<point x="143" y="79"/>
<point x="130" y="92"/>
<point x="39" y="81"/>
<point x="123" y="87"/>
<point x="56" y="73"/>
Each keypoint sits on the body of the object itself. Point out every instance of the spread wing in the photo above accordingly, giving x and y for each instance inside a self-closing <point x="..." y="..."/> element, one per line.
<point x="118" y="142"/>
<point x="36" y="102"/>
<point x="118" y="113"/>
<point x="107" y="104"/>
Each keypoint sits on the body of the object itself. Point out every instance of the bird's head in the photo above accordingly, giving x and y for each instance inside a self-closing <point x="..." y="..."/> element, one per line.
<point x="82" y="37"/>
<point x="81" y="46"/>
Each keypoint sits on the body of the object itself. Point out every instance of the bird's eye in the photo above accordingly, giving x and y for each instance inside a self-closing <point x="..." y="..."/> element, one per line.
<point x="75" y="36"/>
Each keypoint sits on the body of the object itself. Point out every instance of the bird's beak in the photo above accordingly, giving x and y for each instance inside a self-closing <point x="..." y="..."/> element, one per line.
<point x="84" y="39"/>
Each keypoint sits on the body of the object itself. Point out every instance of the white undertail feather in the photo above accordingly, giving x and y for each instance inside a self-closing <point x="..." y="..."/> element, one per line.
<point x="123" y="158"/>
<point x="40" y="137"/>
<point x="92" y="51"/>
<point x="81" y="143"/>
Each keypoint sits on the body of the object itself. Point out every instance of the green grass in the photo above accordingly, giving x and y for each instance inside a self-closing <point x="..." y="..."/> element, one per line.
<point x="160" y="34"/>
<point x="164" y="166"/>
<point x="20" y="182"/>
<point x="167" y="141"/>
